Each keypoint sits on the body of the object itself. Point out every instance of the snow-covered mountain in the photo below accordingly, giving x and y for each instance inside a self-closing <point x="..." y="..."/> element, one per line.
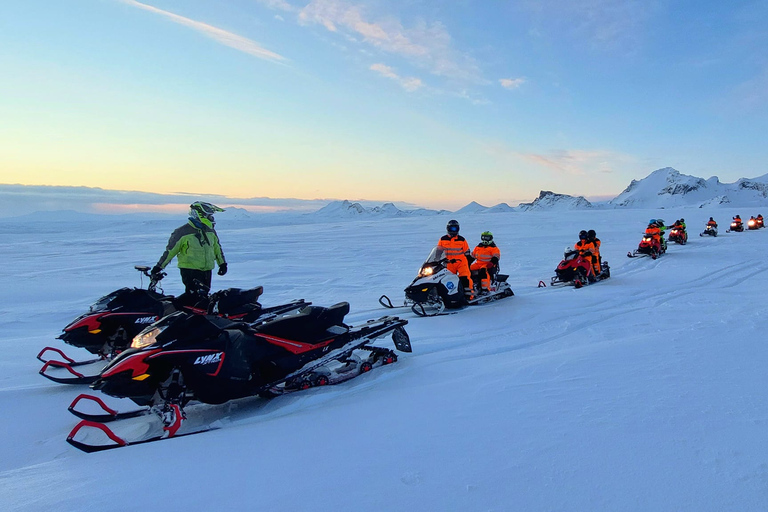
<point x="551" y="201"/>
<point x="348" y="209"/>
<point x="667" y="188"/>
<point x="475" y="207"/>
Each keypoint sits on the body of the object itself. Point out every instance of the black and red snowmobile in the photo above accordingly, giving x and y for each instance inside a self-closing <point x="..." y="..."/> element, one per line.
<point x="576" y="270"/>
<point x="648" y="247"/>
<point x="112" y="321"/>
<point x="753" y="224"/>
<point x="736" y="226"/>
<point x="209" y="359"/>
<point x="678" y="235"/>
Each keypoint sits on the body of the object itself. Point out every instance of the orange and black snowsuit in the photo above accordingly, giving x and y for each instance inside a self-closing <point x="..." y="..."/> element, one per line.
<point x="655" y="233"/>
<point x="737" y="220"/>
<point x="456" y="250"/>
<point x="712" y="223"/>
<point x="587" y="251"/>
<point x="484" y="255"/>
<point x="596" y="263"/>
<point x="759" y="219"/>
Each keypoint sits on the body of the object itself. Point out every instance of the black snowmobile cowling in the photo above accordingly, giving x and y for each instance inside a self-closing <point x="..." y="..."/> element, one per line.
<point x="111" y="322"/>
<point x="213" y="359"/>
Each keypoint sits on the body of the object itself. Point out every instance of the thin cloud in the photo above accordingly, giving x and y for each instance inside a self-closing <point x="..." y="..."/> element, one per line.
<point x="427" y="45"/>
<point x="224" y="37"/>
<point x="604" y="24"/>
<point x="511" y="83"/>
<point x="410" y="84"/>
<point x="577" y="162"/>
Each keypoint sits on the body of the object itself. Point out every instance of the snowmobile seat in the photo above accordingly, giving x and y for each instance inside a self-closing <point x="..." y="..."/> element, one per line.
<point x="311" y="324"/>
<point x="232" y="300"/>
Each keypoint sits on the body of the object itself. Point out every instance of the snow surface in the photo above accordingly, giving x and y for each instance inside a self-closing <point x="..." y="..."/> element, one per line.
<point x="644" y="392"/>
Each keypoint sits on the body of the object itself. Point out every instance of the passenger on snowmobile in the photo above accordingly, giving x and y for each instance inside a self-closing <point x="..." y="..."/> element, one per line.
<point x="486" y="263"/>
<point x="597" y="264"/>
<point x="457" y="252"/>
<point x="196" y="248"/>
<point x="586" y="249"/>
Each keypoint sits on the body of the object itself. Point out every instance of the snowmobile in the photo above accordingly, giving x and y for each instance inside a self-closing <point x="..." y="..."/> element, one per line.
<point x="212" y="360"/>
<point x="678" y="235"/>
<point x="111" y="322"/>
<point x="436" y="289"/>
<point x="736" y="226"/>
<point x="760" y="222"/>
<point x="576" y="270"/>
<point x="709" y="231"/>
<point x="752" y="224"/>
<point x="647" y="248"/>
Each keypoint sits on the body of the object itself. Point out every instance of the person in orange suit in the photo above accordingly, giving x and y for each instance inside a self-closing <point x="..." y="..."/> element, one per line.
<point x="457" y="251"/>
<point x="596" y="261"/>
<point x="586" y="250"/>
<point x="486" y="256"/>
<point x="655" y="233"/>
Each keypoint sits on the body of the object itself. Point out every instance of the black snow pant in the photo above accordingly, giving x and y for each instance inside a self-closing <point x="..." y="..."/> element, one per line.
<point x="197" y="284"/>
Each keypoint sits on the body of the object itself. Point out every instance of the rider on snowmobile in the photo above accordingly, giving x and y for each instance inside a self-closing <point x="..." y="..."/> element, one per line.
<point x="486" y="256"/>
<point x="457" y="252"/>
<point x="711" y="223"/>
<point x="737" y="221"/>
<point x="586" y="248"/>
<point x="196" y="248"/>
<point x="655" y="233"/>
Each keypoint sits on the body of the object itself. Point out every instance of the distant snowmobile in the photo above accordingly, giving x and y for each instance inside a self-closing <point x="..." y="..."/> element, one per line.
<point x="736" y="226"/>
<point x="213" y="360"/>
<point x="577" y="271"/>
<point x="753" y="224"/>
<point x="679" y="236"/>
<point x="436" y="289"/>
<point x="647" y="247"/>
<point x="709" y="231"/>
<point x="112" y="321"/>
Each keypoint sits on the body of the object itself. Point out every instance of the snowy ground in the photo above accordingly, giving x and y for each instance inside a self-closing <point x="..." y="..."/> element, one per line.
<point x="644" y="392"/>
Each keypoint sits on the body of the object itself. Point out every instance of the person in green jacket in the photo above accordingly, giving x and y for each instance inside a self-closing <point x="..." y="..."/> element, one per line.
<point x="195" y="245"/>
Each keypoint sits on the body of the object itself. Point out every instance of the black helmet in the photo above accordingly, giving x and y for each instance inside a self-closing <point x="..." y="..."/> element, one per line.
<point x="582" y="235"/>
<point x="682" y="220"/>
<point x="591" y="233"/>
<point x="452" y="227"/>
<point x="711" y="218"/>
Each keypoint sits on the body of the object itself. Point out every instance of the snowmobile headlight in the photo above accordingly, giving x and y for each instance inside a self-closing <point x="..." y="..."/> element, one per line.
<point x="146" y="337"/>
<point x="427" y="271"/>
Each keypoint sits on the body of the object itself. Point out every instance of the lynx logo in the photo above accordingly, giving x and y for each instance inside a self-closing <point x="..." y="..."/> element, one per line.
<point x="146" y="320"/>
<point x="210" y="358"/>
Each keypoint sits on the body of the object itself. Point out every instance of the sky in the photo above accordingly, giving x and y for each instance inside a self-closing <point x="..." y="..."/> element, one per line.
<point x="431" y="103"/>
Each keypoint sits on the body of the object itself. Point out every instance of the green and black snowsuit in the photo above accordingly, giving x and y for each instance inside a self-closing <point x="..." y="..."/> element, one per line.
<point x="196" y="249"/>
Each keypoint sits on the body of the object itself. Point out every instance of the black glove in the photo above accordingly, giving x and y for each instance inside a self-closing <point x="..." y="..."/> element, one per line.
<point x="222" y="269"/>
<point x="157" y="272"/>
<point x="495" y="260"/>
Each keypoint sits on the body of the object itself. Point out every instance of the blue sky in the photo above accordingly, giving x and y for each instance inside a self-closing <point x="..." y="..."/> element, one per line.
<point x="433" y="103"/>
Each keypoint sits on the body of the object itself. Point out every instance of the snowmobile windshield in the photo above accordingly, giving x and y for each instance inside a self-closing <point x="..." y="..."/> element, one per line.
<point x="437" y="255"/>
<point x="433" y="263"/>
<point x="569" y="253"/>
<point x="103" y="303"/>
